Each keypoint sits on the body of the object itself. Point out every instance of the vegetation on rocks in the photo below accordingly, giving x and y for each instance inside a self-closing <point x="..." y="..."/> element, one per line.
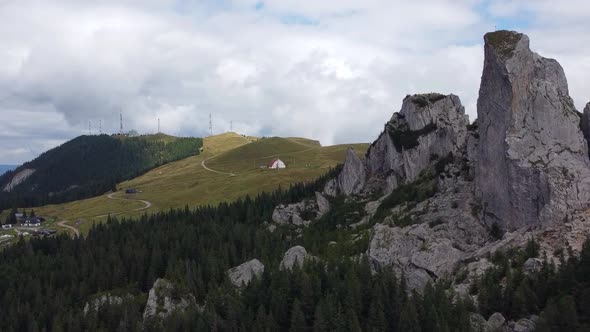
<point x="406" y="138"/>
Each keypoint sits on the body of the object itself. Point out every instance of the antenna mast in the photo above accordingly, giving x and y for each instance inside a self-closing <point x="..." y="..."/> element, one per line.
<point x="231" y="125"/>
<point x="210" y="125"/>
<point x="121" y="121"/>
<point x="89" y="128"/>
<point x="158" y="125"/>
<point x="100" y="127"/>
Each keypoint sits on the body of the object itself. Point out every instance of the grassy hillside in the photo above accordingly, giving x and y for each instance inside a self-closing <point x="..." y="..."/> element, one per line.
<point x="187" y="182"/>
<point x="88" y="166"/>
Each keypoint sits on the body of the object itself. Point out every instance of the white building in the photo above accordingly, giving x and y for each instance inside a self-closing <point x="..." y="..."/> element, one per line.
<point x="276" y="164"/>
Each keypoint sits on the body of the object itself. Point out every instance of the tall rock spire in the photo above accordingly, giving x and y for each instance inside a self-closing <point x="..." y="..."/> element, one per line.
<point x="533" y="162"/>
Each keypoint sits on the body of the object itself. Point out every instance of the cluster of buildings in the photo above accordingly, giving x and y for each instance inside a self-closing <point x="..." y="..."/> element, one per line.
<point x="33" y="222"/>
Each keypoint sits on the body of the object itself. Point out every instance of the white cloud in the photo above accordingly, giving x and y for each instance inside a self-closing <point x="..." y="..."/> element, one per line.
<point x="330" y="70"/>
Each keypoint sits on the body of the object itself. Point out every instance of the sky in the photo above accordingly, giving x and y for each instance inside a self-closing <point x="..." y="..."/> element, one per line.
<point x="332" y="70"/>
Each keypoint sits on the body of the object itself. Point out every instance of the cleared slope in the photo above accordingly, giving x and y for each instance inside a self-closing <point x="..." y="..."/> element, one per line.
<point x="186" y="182"/>
<point x="87" y="166"/>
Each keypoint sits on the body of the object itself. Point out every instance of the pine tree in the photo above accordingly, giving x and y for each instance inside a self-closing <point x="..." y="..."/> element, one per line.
<point x="409" y="321"/>
<point x="298" y="323"/>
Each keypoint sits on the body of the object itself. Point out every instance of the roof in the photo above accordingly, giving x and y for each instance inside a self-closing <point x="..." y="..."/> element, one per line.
<point x="273" y="161"/>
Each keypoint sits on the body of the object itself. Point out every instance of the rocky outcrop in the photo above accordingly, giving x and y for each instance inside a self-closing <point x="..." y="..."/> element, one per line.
<point x="295" y="255"/>
<point x="98" y="302"/>
<point x="533" y="164"/>
<point x="322" y="203"/>
<point x="18" y="178"/>
<point x="532" y="265"/>
<point x="351" y="179"/>
<point x="445" y="234"/>
<point x="164" y="299"/>
<point x="495" y="322"/>
<point x="242" y="274"/>
<point x="428" y="127"/>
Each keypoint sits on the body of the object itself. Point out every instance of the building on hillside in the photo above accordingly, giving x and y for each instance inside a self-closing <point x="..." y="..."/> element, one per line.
<point x="32" y="222"/>
<point x="7" y="226"/>
<point x="131" y="191"/>
<point x="276" y="164"/>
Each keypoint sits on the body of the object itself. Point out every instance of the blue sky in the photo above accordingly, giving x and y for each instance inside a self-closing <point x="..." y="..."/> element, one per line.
<point x="329" y="70"/>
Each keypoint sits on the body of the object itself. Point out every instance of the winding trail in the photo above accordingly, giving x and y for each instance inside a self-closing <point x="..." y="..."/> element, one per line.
<point x="147" y="205"/>
<point x="212" y="170"/>
<point x="63" y="224"/>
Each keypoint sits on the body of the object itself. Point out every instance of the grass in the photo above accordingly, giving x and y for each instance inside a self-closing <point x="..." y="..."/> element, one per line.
<point x="186" y="182"/>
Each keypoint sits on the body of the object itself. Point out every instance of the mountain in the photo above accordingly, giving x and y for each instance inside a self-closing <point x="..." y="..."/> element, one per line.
<point x="5" y="168"/>
<point x="409" y="236"/>
<point x="227" y="169"/>
<point x="88" y="166"/>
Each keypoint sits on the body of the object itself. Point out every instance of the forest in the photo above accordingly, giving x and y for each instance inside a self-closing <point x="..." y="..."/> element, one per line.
<point x="88" y="166"/>
<point x="47" y="281"/>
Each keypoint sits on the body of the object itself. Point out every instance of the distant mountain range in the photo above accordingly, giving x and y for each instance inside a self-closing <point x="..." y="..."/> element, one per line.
<point x="5" y="168"/>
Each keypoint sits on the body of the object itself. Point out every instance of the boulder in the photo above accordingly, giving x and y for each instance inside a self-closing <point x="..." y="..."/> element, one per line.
<point x="242" y="274"/>
<point x="532" y="163"/>
<point x="495" y="322"/>
<point x="295" y="255"/>
<point x="532" y="265"/>
<point x="293" y="214"/>
<point x="524" y="325"/>
<point x="164" y="299"/>
<point x="323" y="203"/>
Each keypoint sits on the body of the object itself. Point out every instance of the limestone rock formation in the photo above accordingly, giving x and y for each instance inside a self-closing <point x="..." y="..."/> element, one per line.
<point x="18" y="178"/>
<point x="322" y="203"/>
<point x="351" y="179"/>
<point x="295" y="255"/>
<point x="242" y="274"/>
<point x="428" y="127"/>
<point x="98" y="302"/>
<point x="302" y="213"/>
<point x="164" y="299"/>
<point x="533" y="164"/>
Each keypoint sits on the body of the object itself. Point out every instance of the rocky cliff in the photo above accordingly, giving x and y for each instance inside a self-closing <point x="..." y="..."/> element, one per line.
<point x="441" y="194"/>
<point x="533" y="163"/>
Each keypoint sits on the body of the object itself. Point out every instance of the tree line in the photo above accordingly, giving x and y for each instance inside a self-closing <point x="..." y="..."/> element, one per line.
<point x="88" y="166"/>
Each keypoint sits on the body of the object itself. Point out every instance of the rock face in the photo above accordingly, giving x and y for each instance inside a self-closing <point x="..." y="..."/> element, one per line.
<point x="296" y="255"/>
<point x="428" y="127"/>
<point x="163" y="300"/>
<point x="18" y="178"/>
<point x="242" y="274"/>
<point x="585" y="124"/>
<point x="351" y="179"/>
<point x="533" y="161"/>
<point x="434" y="247"/>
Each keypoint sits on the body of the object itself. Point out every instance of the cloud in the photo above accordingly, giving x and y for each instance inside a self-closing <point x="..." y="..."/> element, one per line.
<point x="333" y="71"/>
